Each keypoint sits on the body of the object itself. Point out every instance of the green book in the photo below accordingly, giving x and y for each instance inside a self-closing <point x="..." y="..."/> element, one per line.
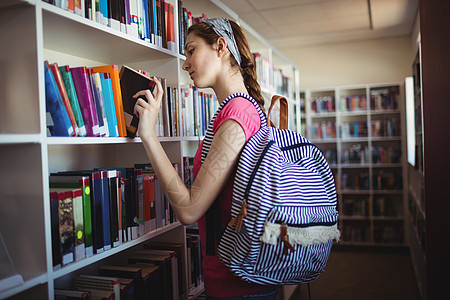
<point x="66" y="75"/>
<point x="83" y="183"/>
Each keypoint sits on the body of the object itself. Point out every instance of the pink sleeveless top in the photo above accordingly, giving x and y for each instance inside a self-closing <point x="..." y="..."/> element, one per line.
<point x="218" y="280"/>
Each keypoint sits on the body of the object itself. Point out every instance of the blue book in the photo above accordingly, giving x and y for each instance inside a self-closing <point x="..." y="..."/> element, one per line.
<point x="108" y="98"/>
<point x="58" y="122"/>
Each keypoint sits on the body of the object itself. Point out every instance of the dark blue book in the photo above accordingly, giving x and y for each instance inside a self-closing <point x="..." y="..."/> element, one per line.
<point x="58" y="122"/>
<point x="105" y="209"/>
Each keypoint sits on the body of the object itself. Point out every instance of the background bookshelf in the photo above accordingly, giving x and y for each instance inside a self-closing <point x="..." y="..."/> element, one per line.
<point x="37" y="31"/>
<point x="360" y="131"/>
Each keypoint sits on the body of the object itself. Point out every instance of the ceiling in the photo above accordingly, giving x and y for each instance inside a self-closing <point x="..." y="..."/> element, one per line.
<point x="288" y="23"/>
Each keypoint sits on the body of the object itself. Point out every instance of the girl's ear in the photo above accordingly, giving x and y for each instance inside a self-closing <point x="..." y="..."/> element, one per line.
<point x="222" y="46"/>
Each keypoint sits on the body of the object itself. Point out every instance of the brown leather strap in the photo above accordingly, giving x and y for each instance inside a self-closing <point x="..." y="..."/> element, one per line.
<point x="283" y="111"/>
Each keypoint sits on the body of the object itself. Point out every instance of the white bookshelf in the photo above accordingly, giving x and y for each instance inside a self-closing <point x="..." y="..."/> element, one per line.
<point x="35" y="31"/>
<point x="368" y="215"/>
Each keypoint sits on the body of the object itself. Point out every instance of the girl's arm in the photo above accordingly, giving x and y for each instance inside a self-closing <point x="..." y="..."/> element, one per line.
<point x="189" y="205"/>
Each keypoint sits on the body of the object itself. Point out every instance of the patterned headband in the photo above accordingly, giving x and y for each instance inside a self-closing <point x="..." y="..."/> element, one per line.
<point x="222" y="27"/>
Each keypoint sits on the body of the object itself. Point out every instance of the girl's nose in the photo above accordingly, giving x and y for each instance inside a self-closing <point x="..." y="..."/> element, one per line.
<point x="185" y="66"/>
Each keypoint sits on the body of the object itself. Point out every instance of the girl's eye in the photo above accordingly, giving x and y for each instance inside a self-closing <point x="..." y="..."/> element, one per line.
<point x="190" y="51"/>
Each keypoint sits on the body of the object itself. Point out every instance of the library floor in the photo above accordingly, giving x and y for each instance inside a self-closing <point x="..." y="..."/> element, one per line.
<point x="353" y="274"/>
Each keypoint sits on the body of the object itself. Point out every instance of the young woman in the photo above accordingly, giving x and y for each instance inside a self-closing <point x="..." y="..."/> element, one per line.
<point x="217" y="57"/>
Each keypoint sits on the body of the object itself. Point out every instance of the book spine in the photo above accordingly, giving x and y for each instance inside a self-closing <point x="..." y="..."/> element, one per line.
<point x="71" y="93"/>
<point x="98" y="102"/>
<point x="79" y="249"/>
<point x="113" y="70"/>
<point x="56" y="240"/>
<point x="87" y="215"/>
<point x="109" y="104"/>
<point x="105" y="210"/>
<point x="113" y="182"/>
<point x="66" y="227"/>
<point x="96" y="190"/>
<point x="62" y="90"/>
<point x="58" y="122"/>
<point x="87" y="105"/>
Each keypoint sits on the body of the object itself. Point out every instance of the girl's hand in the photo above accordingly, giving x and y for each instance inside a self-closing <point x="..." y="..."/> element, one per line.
<point x="147" y="111"/>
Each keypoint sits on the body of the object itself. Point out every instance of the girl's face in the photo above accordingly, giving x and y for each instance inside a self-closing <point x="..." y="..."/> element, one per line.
<point x="202" y="61"/>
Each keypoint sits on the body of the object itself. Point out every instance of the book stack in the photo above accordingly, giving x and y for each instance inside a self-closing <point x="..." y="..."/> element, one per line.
<point x="150" y="20"/>
<point x="384" y="99"/>
<point x="95" y="210"/>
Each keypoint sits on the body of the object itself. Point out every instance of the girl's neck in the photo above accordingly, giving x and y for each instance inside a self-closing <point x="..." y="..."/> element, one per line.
<point x="228" y="85"/>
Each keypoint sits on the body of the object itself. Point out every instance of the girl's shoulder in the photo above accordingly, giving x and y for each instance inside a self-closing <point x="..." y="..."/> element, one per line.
<point x="242" y="111"/>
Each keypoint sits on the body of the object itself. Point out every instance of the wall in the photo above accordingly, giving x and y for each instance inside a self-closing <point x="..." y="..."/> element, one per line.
<point x="351" y="63"/>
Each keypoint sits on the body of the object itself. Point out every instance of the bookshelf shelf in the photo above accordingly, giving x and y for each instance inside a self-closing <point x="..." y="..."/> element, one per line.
<point x="364" y="155"/>
<point x="97" y="257"/>
<point x="37" y="31"/>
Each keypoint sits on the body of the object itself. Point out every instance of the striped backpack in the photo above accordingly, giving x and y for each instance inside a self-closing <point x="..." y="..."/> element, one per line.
<point x="284" y="216"/>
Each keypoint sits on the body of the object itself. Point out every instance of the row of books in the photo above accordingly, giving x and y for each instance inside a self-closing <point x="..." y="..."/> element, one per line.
<point x="323" y="130"/>
<point x="98" y="101"/>
<point x="384" y="99"/>
<point x="355" y="207"/>
<point x="353" y="103"/>
<point x="356" y="233"/>
<point x="95" y="210"/>
<point x="198" y="109"/>
<point x="270" y="77"/>
<point x="150" y="20"/>
<point x="194" y="258"/>
<point x="152" y="272"/>
<point x="388" y="234"/>
<point x="385" y="127"/>
<point x="355" y="181"/>
<point x="356" y="154"/>
<point x="330" y="155"/>
<point x="323" y="104"/>
<point x="383" y="180"/>
<point x="353" y="129"/>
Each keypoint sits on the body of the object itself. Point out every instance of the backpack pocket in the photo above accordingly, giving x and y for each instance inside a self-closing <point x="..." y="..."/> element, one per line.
<point x="296" y="242"/>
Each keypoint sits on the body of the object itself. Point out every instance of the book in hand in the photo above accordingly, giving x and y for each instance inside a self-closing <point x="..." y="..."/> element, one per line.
<point x="131" y="82"/>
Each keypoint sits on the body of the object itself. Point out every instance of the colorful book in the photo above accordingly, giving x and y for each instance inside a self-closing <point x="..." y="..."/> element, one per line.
<point x="132" y="203"/>
<point x="131" y="82"/>
<point x="82" y="85"/>
<point x="113" y="71"/>
<point x="66" y="75"/>
<point x="82" y="182"/>
<point x="66" y="226"/>
<point x="110" y="108"/>
<point x="62" y="90"/>
<point x="58" y="122"/>
<point x="75" y="193"/>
